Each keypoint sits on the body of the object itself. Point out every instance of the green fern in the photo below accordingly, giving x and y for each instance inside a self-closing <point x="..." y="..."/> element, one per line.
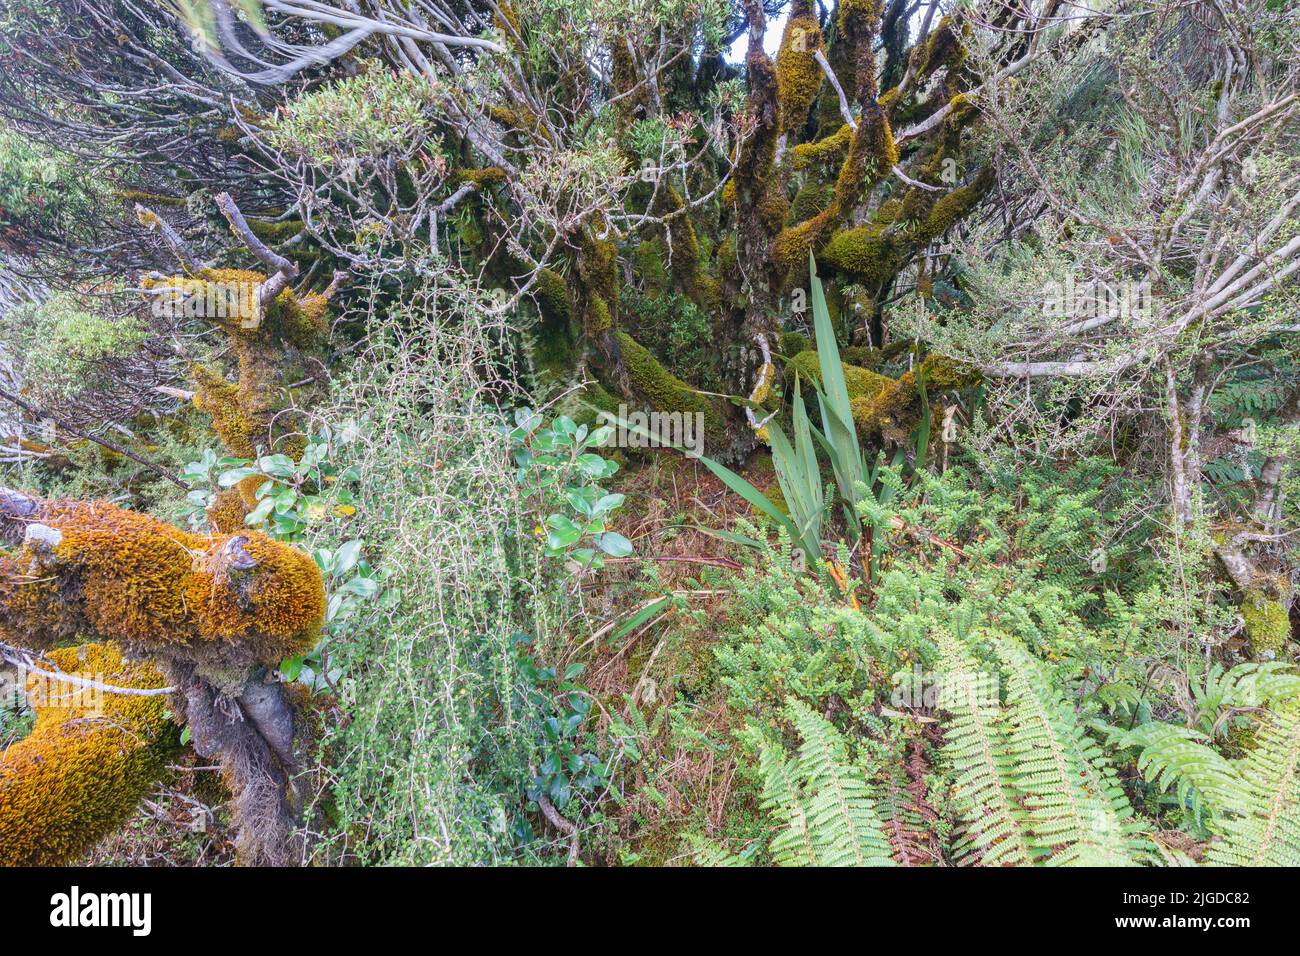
<point x="1031" y="786"/>
<point x="1254" y="802"/>
<point x="1182" y="758"/>
<point x="1077" y="810"/>
<point x="708" y="853"/>
<point x="983" y="773"/>
<point x="1264" y="828"/>
<point x="824" y="807"/>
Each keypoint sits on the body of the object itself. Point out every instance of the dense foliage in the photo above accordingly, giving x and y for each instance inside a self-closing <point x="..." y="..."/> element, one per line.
<point x="724" y="432"/>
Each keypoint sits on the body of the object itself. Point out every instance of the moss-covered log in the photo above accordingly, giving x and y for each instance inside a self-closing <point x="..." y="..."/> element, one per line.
<point x="90" y="758"/>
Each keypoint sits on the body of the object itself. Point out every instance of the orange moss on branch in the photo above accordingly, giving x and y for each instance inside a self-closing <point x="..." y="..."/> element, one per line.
<point x="126" y="576"/>
<point x="895" y="409"/>
<point x="88" y="761"/>
<point x="228" y="510"/>
<point x="277" y="351"/>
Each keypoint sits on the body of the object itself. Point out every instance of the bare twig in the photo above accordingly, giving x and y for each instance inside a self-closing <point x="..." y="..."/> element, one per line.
<point x="71" y="429"/>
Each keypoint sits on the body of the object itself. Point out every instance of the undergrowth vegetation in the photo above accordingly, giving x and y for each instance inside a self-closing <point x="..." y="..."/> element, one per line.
<point x="677" y="432"/>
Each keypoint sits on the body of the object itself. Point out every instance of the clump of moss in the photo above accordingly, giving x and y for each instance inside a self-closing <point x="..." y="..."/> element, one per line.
<point x="792" y="343"/>
<point x="798" y="77"/>
<point x="273" y="350"/>
<point x="482" y="178"/>
<point x="888" y="211"/>
<point x="828" y="149"/>
<point x="871" y="155"/>
<point x="632" y="98"/>
<point x="219" y="400"/>
<point x="775" y="495"/>
<point x="227" y="512"/>
<point x="1268" y="625"/>
<point x="874" y="252"/>
<point x="895" y="409"/>
<point x="773" y="208"/>
<point x="129" y="577"/>
<point x="553" y="344"/>
<point x="597" y="268"/>
<point x="599" y="319"/>
<point x="506" y="19"/>
<point x="648" y="263"/>
<point x="662" y="390"/>
<point x="866" y="252"/>
<point x="88" y="761"/>
<point x="860" y="383"/>
<point x="727" y="260"/>
<point x="553" y="298"/>
<point x="811" y="199"/>
<point x="942" y="48"/>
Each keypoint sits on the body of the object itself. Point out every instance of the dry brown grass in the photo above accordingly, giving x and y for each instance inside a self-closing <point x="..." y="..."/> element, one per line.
<point x="680" y="783"/>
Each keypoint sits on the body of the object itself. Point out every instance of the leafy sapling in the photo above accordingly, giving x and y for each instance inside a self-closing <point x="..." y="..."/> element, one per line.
<point x="559" y="473"/>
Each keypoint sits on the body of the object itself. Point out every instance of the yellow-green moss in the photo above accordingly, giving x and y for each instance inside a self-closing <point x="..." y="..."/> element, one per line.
<point x="858" y="382"/>
<point x="792" y="343"/>
<point x="219" y="399"/>
<point x="811" y="199"/>
<point x="773" y="208"/>
<point x="625" y="79"/>
<point x="798" y="77"/>
<point x="774" y="494"/>
<point x="894" y="410"/>
<point x="1268" y="625"/>
<point x="943" y="47"/>
<point x="708" y="293"/>
<point x="864" y="252"/>
<point x="872" y="153"/>
<point x="662" y="390"/>
<point x="271" y="351"/>
<point x="648" y="263"/>
<point x="506" y="19"/>
<point x="727" y="253"/>
<point x="147" y="198"/>
<point x="88" y="761"/>
<point x="828" y="149"/>
<point x="553" y="298"/>
<point x="599" y="320"/>
<point x="888" y="211"/>
<point x="273" y="232"/>
<point x="487" y="176"/>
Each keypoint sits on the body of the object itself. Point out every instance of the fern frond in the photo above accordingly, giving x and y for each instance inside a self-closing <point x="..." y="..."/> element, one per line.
<point x="793" y="846"/>
<point x="708" y="853"/>
<point x="909" y="820"/>
<point x="1171" y="755"/>
<point x="975" y="749"/>
<point x="1267" y="831"/>
<point x="823" y="801"/>
<point x="1077" y="811"/>
<point x="1253" y="685"/>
